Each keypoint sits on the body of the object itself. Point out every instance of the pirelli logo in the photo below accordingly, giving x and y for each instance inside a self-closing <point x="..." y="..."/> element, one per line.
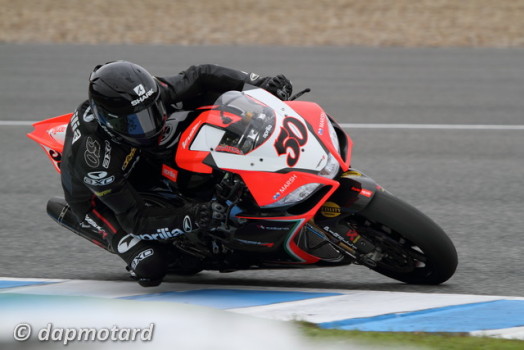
<point x="330" y="210"/>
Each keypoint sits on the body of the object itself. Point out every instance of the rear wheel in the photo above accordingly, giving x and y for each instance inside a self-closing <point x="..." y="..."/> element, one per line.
<point x="414" y="248"/>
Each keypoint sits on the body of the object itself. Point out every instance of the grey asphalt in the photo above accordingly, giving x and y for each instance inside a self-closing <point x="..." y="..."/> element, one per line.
<point x="469" y="181"/>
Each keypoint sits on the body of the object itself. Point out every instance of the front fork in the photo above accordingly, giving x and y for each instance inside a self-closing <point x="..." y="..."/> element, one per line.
<point x="355" y="192"/>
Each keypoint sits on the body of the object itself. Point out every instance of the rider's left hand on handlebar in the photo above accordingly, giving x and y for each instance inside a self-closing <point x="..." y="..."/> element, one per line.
<point x="279" y="86"/>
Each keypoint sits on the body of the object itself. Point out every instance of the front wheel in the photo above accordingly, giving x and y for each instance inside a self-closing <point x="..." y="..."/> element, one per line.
<point x="413" y="248"/>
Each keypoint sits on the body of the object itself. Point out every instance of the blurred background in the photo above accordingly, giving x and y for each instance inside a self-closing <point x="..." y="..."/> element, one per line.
<point x="405" y="23"/>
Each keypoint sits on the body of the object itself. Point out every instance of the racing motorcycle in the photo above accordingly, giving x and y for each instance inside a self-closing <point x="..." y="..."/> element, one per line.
<point x="282" y="171"/>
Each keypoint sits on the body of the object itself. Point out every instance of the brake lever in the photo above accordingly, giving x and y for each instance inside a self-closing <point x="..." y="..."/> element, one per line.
<point x="298" y="94"/>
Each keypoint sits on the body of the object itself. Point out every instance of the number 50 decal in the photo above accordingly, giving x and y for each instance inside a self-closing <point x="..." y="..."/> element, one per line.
<point x="293" y="135"/>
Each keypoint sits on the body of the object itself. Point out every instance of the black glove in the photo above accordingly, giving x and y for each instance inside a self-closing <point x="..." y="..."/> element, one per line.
<point x="210" y="216"/>
<point x="280" y="86"/>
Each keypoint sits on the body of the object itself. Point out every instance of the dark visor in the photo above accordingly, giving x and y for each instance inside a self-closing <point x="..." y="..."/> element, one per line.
<point x="139" y="128"/>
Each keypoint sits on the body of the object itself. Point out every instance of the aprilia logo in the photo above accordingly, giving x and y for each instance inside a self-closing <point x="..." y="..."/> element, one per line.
<point x="169" y="173"/>
<point x="188" y="227"/>
<point x="127" y="243"/>
<point x="162" y="233"/>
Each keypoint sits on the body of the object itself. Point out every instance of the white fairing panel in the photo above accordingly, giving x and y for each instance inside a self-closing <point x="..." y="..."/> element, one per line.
<point x="207" y="138"/>
<point x="284" y="142"/>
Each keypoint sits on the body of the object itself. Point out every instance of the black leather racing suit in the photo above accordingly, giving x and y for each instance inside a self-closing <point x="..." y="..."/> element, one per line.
<point x="101" y="176"/>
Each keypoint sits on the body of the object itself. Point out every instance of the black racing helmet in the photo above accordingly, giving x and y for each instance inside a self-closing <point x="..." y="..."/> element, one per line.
<point x="126" y="101"/>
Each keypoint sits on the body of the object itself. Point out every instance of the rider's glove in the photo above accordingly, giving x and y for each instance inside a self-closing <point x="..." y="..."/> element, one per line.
<point x="210" y="216"/>
<point x="279" y="86"/>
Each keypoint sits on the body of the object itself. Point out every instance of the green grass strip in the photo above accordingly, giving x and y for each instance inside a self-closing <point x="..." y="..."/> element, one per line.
<point x="401" y="340"/>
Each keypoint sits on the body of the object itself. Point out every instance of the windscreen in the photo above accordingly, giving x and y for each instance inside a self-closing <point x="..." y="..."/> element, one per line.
<point x="249" y="122"/>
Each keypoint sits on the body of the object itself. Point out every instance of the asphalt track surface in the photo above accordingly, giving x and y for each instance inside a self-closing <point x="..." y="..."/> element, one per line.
<point x="468" y="180"/>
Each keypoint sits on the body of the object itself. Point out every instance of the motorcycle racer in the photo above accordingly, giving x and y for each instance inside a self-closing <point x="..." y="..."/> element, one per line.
<point x="110" y="152"/>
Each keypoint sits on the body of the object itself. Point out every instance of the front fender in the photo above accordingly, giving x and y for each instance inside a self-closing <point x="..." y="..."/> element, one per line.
<point x="355" y="192"/>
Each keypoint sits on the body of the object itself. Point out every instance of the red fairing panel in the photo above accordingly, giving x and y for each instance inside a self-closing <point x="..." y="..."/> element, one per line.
<point x="267" y="188"/>
<point x="50" y="134"/>
<point x="188" y="159"/>
<point x="317" y="118"/>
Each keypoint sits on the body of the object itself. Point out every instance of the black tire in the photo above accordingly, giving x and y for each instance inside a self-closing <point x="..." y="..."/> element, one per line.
<point x="420" y="251"/>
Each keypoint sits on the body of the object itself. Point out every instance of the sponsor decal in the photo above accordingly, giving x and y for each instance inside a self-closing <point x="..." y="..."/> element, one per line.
<point x="267" y="131"/>
<point x="272" y="228"/>
<point x="128" y="158"/>
<point x="107" y="155"/>
<point x="191" y="134"/>
<point x="92" y="223"/>
<point x="330" y="210"/>
<point x="366" y="193"/>
<point x="98" y="178"/>
<point x="84" y="225"/>
<point x="186" y="224"/>
<point x="336" y="235"/>
<point x="74" y="126"/>
<point x="288" y="183"/>
<point x="322" y="123"/>
<point x="253" y="77"/>
<point x="351" y="173"/>
<point x="285" y="186"/>
<point x="142" y="93"/>
<point x="54" y="132"/>
<point x="140" y="257"/>
<point x="103" y="193"/>
<point x="139" y="90"/>
<point x="161" y="233"/>
<point x="268" y="245"/>
<point x="92" y="153"/>
<point x="126" y="243"/>
<point x="169" y="173"/>
<point x="353" y="235"/>
<point x="228" y="149"/>
<point x="363" y="191"/>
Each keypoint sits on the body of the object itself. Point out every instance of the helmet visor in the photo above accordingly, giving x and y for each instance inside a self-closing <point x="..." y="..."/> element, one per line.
<point x="139" y="128"/>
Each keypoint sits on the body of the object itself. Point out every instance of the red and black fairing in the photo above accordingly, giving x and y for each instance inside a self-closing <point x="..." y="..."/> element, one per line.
<point x="275" y="149"/>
